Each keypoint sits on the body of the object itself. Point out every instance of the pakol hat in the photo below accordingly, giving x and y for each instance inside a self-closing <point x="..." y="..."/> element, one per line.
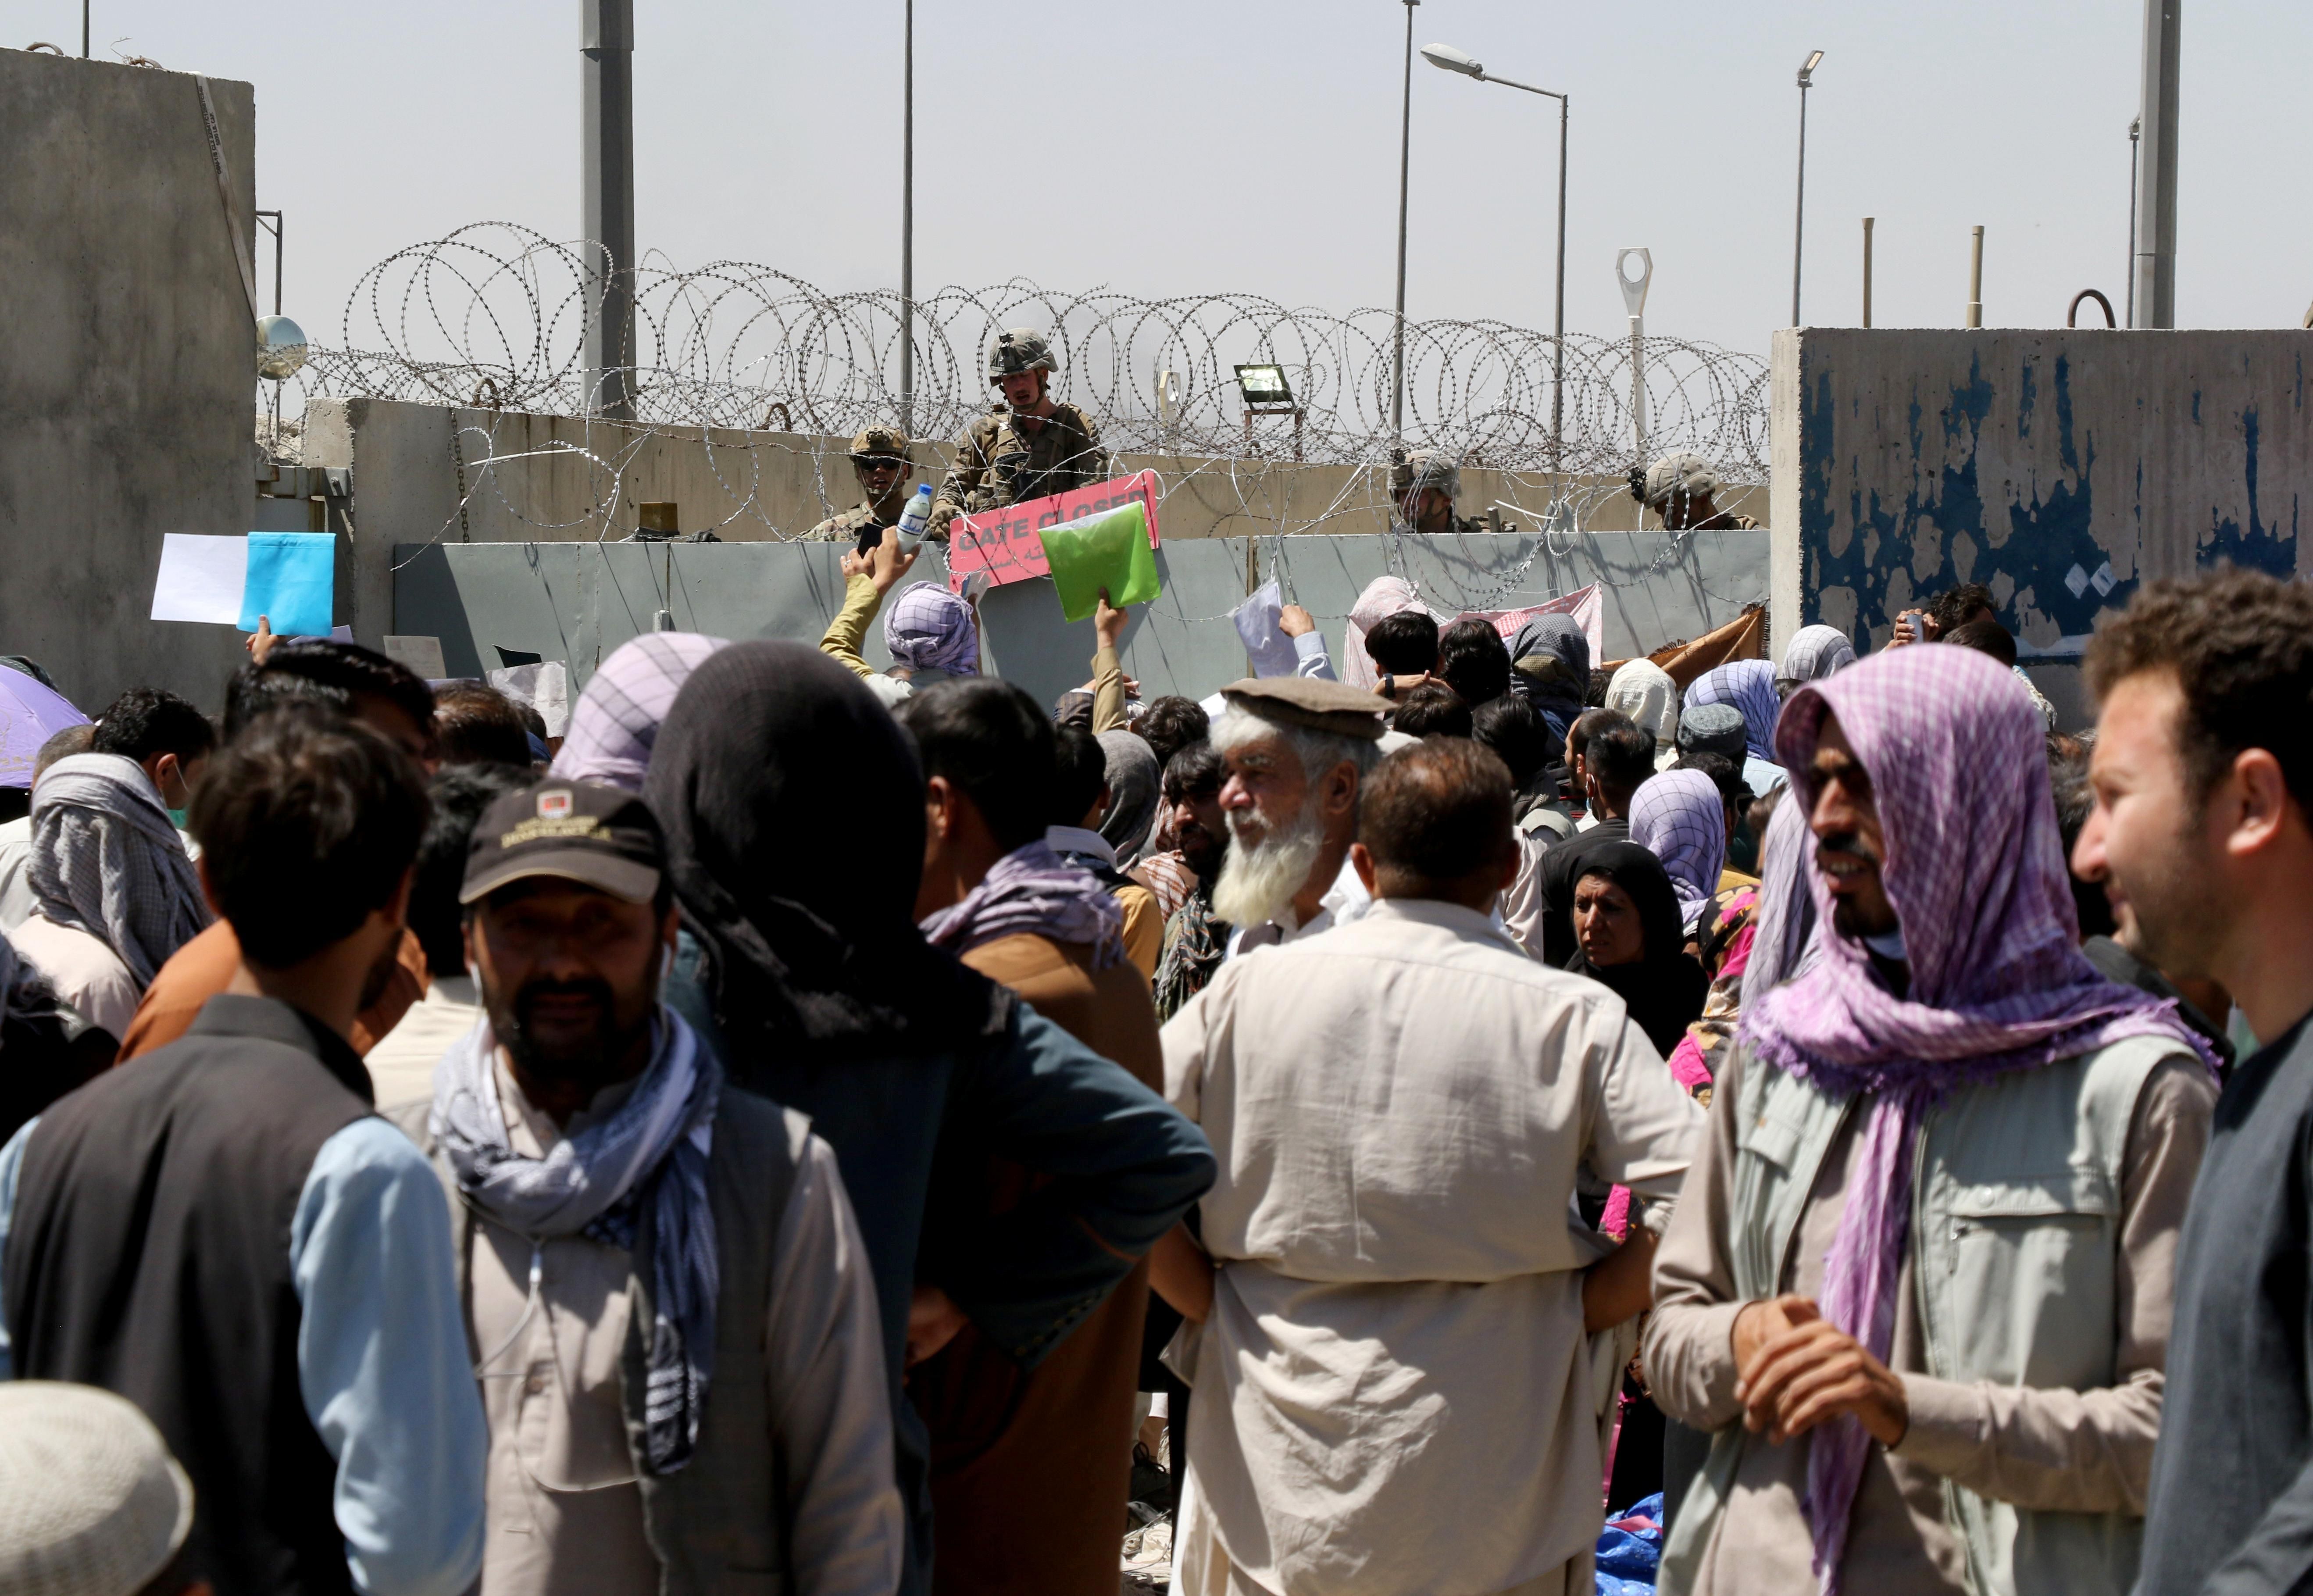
<point x="576" y="830"/>
<point x="1310" y="703"/>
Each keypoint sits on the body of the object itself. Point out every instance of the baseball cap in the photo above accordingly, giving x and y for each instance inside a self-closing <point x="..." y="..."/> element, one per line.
<point x="576" y="830"/>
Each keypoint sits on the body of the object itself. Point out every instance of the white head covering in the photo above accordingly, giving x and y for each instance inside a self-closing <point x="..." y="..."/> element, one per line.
<point x="1643" y="691"/>
<point x="90" y="1502"/>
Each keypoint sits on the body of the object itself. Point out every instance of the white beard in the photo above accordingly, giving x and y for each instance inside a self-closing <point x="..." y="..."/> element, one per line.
<point x="1259" y="880"/>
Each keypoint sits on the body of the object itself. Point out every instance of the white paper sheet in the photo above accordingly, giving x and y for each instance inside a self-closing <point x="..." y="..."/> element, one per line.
<point x="422" y="654"/>
<point x="201" y="578"/>
<point x="544" y="687"/>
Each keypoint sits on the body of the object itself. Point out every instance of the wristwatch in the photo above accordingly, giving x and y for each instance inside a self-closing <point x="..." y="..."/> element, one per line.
<point x="1389" y="686"/>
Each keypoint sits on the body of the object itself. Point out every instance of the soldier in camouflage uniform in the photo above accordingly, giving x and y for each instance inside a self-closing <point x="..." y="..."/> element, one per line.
<point x="1424" y="486"/>
<point x="1682" y="490"/>
<point x="880" y="459"/>
<point x="1027" y="447"/>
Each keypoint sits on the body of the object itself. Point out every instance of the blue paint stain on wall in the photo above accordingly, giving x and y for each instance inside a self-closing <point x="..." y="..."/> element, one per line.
<point x="1914" y="505"/>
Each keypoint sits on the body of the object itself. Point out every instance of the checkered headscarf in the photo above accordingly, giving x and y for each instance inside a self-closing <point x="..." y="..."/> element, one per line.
<point x="928" y="627"/>
<point x="616" y="718"/>
<point x="1749" y="684"/>
<point x="1679" y="817"/>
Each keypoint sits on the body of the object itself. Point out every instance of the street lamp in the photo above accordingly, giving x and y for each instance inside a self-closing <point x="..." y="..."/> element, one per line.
<point x="1799" y="222"/>
<point x="1453" y="60"/>
<point x="1404" y="172"/>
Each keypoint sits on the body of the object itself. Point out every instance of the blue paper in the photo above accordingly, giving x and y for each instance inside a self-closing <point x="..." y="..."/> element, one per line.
<point x="292" y="582"/>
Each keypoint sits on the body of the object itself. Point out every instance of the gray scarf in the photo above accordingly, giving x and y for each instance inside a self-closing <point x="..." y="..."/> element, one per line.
<point x="646" y="1158"/>
<point x="106" y="860"/>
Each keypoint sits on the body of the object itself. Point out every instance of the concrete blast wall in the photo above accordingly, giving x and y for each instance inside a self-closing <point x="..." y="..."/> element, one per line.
<point x="2059" y="469"/>
<point x="532" y="478"/>
<point x="126" y="372"/>
<point x="577" y="602"/>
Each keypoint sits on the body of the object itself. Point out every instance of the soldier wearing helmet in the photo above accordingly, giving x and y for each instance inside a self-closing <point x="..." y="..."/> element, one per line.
<point x="880" y="459"/>
<point x="1424" y="485"/>
<point x="1027" y="447"/>
<point x="1682" y="490"/>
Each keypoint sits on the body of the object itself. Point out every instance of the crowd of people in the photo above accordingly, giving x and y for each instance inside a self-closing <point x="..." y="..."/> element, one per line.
<point x="827" y="1129"/>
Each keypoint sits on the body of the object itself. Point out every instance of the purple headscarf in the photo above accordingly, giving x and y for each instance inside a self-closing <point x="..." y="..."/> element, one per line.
<point x="928" y="627"/>
<point x="1030" y="891"/>
<point x="1749" y="684"/>
<point x="1679" y="817"/>
<point x="617" y="717"/>
<point x="1997" y="980"/>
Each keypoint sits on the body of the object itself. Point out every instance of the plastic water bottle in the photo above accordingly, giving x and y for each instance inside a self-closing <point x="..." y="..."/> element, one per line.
<point x="916" y="519"/>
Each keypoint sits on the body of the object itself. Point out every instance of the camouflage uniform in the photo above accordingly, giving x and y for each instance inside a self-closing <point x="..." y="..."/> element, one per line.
<point x="845" y="527"/>
<point x="1435" y="469"/>
<point x="999" y="461"/>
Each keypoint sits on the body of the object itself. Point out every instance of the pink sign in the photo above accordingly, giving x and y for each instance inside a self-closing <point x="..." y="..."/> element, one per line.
<point x="1008" y="543"/>
<point x="1583" y="605"/>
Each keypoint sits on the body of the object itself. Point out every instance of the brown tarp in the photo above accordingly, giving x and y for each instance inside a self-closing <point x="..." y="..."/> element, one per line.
<point x="1742" y="637"/>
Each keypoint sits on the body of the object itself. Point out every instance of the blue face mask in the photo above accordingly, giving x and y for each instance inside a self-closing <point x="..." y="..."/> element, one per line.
<point x="177" y="818"/>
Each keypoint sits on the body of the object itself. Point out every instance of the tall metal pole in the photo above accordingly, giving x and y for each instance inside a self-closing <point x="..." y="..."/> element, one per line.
<point x="1798" y="210"/>
<point x="2135" y="132"/>
<point x="2155" y="275"/>
<point x="1866" y="271"/>
<point x="1558" y="327"/>
<point x="1404" y="173"/>
<point x="907" y="234"/>
<point x="83" y="30"/>
<point x="607" y="130"/>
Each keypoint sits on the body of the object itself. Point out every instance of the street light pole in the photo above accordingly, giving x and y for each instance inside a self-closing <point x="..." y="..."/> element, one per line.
<point x="1798" y="210"/>
<point x="908" y="231"/>
<point x="2135" y="132"/>
<point x="2155" y="260"/>
<point x="1453" y="60"/>
<point x="1404" y="172"/>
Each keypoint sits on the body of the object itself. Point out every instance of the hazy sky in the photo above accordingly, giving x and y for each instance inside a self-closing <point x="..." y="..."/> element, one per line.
<point x="1203" y="145"/>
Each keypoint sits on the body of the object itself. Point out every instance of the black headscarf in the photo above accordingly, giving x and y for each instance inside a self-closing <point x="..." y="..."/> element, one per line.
<point x="792" y="806"/>
<point x="1664" y="988"/>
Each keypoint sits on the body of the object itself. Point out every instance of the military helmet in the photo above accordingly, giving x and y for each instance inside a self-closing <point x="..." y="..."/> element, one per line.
<point x="1427" y="468"/>
<point x="879" y="443"/>
<point x="1690" y="474"/>
<point x="1018" y="349"/>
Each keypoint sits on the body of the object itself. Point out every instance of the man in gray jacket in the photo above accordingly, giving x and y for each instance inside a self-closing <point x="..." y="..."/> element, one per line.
<point x="661" y="1278"/>
<point x="1920" y="1281"/>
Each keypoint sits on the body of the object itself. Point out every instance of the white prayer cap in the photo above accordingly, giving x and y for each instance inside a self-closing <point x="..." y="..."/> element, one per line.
<point x="90" y="1502"/>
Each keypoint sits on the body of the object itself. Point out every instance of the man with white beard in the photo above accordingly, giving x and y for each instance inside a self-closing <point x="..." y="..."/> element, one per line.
<point x="1297" y="750"/>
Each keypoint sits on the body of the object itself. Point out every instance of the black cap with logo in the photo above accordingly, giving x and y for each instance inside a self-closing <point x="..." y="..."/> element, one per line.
<point x="577" y="830"/>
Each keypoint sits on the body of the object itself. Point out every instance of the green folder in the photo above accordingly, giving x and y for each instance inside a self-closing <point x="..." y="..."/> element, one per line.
<point x="1107" y="551"/>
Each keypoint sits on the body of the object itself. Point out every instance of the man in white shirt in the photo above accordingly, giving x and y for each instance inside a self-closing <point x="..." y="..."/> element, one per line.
<point x="1395" y="1389"/>
<point x="1296" y="748"/>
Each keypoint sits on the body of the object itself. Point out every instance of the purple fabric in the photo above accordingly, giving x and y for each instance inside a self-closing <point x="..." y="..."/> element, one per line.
<point x="617" y="717"/>
<point x="1976" y="870"/>
<point x="30" y="715"/>
<point x="928" y="627"/>
<point x="1749" y="684"/>
<point x="1030" y="891"/>
<point x="1679" y="817"/>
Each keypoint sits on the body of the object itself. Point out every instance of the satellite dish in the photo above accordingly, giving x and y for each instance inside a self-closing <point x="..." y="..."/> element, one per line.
<point x="280" y="348"/>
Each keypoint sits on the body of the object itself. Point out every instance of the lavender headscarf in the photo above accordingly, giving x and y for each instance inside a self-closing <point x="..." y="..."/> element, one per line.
<point x="616" y="718"/>
<point x="1031" y="891"/>
<point x="1975" y="871"/>
<point x="928" y="627"/>
<point x="1679" y="817"/>
<point x="1749" y="684"/>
